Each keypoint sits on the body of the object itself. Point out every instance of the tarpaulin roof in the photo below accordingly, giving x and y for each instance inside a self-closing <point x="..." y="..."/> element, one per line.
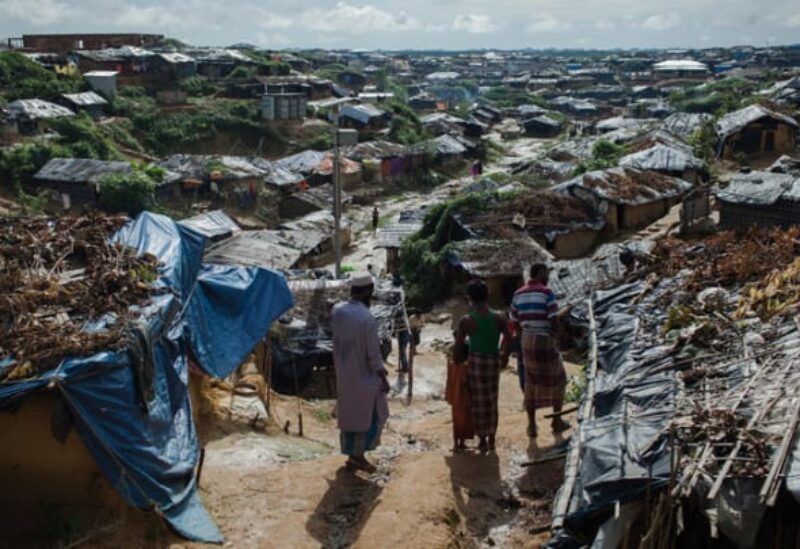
<point x="760" y="188"/>
<point x="362" y="113"/>
<point x="145" y="441"/>
<point x="257" y="249"/>
<point x="85" y="99"/>
<point x="662" y="158"/>
<point x="35" y="109"/>
<point x="213" y="225"/>
<point x="305" y="162"/>
<point x="374" y="149"/>
<point x="80" y="170"/>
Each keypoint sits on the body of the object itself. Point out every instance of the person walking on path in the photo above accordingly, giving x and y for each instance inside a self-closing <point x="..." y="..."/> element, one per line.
<point x="535" y="310"/>
<point x="482" y="327"/>
<point x="376" y="218"/>
<point x="361" y="379"/>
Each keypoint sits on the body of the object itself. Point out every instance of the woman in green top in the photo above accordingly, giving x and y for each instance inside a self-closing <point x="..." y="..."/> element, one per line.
<point x="482" y="327"/>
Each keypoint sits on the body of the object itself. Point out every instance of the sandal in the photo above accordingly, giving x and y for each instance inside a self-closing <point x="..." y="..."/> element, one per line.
<point x="362" y="465"/>
<point x="559" y="425"/>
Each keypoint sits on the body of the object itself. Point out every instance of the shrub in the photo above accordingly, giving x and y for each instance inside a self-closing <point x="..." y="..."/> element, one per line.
<point x="21" y="78"/>
<point x="131" y="193"/>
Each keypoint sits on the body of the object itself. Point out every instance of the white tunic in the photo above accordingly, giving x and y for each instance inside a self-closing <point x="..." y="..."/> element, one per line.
<point x="359" y="365"/>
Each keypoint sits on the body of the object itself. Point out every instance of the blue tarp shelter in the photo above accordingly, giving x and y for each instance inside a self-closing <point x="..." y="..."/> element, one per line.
<point x="132" y="410"/>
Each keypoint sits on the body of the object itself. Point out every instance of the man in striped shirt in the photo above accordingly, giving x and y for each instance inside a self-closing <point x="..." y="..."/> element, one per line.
<point x="535" y="310"/>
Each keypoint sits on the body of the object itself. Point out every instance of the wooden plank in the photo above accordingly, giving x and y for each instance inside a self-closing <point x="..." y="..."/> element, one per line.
<point x="561" y="505"/>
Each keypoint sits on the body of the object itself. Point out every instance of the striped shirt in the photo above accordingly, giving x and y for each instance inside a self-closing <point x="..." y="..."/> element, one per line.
<point x="533" y="306"/>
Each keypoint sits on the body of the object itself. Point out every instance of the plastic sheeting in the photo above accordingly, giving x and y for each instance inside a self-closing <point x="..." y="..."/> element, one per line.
<point x="144" y="441"/>
<point x="622" y="446"/>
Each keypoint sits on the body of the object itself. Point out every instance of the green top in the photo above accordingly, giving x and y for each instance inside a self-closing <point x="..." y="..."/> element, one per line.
<point x="486" y="338"/>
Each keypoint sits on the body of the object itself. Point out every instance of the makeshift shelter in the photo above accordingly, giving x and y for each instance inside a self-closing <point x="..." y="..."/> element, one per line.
<point x="309" y="201"/>
<point x="77" y="180"/>
<point x="500" y="263"/>
<point x="755" y="130"/>
<point x="128" y="401"/>
<point x="687" y="432"/>
<point x="89" y="102"/>
<point x="542" y="126"/>
<point x="32" y="114"/>
<point x="759" y="198"/>
<point x="9" y="130"/>
<point x="302" y="341"/>
<point x="391" y="237"/>
<point x="629" y="198"/>
<point x="363" y="117"/>
<point x="684" y="124"/>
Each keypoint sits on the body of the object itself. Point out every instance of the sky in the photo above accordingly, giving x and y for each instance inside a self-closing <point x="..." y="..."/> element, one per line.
<point x="422" y="24"/>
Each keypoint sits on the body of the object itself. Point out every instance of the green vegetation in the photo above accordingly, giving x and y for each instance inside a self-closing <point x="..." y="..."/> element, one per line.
<point x="575" y="387"/>
<point x="503" y="97"/>
<point x="79" y="137"/>
<point x="332" y="71"/>
<point x="161" y="134"/>
<point x="131" y="193"/>
<point x="422" y="255"/>
<point x="266" y="66"/>
<point x="21" y="78"/>
<point x="406" y="127"/>
<point x="605" y="154"/>
<point x="703" y="143"/>
<point x="198" y="86"/>
<point x="385" y="83"/>
<point x="720" y="97"/>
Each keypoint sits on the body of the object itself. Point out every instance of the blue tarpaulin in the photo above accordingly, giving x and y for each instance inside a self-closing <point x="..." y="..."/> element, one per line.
<point x="145" y="440"/>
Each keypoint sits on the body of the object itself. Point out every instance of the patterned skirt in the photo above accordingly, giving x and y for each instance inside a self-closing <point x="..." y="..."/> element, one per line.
<point x="457" y="395"/>
<point x="356" y="443"/>
<point x="545" y="377"/>
<point x="484" y="388"/>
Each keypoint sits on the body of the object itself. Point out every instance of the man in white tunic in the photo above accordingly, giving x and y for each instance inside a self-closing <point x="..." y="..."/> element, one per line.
<point x="361" y="383"/>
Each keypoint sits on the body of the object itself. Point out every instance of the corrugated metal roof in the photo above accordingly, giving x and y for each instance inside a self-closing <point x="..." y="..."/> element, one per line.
<point x="80" y="170"/>
<point x="85" y="99"/>
<point x="736" y="121"/>
<point x="36" y="109"/>
<point x="760" y="188"/>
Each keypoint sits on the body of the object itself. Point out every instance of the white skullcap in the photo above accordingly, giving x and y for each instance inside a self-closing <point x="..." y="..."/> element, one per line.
<point x="361" y="280"/>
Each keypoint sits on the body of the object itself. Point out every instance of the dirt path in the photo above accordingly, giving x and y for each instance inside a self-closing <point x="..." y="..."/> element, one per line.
<point x="285" y="491"/>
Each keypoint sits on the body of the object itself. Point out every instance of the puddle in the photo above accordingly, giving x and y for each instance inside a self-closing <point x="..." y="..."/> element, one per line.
<point x="254" y="450"/>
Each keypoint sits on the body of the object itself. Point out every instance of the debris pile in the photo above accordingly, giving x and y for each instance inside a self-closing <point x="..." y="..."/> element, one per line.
<point x="58" y="276"/>
<point x="737" y="259"/>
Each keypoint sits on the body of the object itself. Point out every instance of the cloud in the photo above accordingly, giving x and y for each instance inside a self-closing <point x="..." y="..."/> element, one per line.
<point x="660" y="21"/>
<point x="352" y="19"/>
<point x="474" y="24"/>
<point x="605" y="24"/>
<point x="151" y="16"/>
<point x="547" y="23"/>
<point x="35" y="12"/>
<point x="271" y="21"/>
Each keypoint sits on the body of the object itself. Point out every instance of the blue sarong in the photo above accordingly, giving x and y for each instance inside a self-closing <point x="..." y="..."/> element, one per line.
<point x="356" y="443"/>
